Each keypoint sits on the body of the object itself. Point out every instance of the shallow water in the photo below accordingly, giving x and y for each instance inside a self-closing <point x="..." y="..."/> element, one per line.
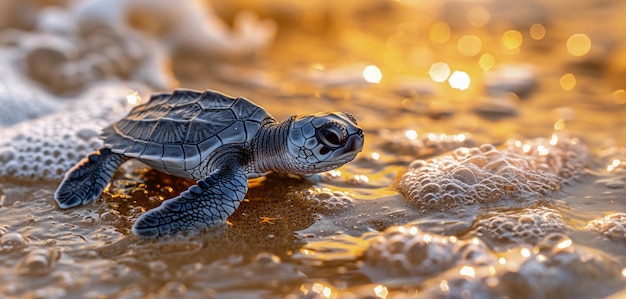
<point x="351" y="232"/>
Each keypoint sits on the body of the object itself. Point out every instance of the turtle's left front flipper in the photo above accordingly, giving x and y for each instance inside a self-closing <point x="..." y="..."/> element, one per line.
<point x="84" y="182"/>
<point x="208" y="202"/>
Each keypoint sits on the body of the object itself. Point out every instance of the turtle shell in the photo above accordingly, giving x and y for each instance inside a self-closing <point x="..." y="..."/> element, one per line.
<point x="176" y="131"/>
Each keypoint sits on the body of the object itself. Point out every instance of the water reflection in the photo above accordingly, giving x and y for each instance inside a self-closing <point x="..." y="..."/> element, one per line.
<point x="372" y="74"/>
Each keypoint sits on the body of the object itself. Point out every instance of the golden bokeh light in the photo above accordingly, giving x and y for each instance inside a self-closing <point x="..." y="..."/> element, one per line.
<point x="486" y="62"/>
<point x="411" y="134"/>
<point x="492" y="281"/>
<point x="512" y="39"/>
<point x="537" y="31"/>
<point x="322" y="290"/>
<point x="542" y="150"/>
<point x="439" y="71"/>
<point x="559" y="124"/>
<point x="361" y="178"/>
<point x="568" y="81"/>
<point x="318" y="67"/>
<point x="469" y="45"/>
<point x="578" y="44"/>
<point x="614" y="165"/>
<point x="467" y="271"/>
<point x="459" y="80"/>
<point x="554" y="140"/>
<point x="478" y="16"/>
<point x="619" y="96"/>
<point x="525" y="252"/>
<point x="381" y="291"/>
<point x="439" y="33"/>
<point x="427" y="238"/>
<point x="444" y="287"/>
<point x="564" y="244"/>
<point x="372" y="74"/>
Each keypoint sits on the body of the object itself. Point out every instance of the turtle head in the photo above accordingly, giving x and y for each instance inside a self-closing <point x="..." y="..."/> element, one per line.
<point x="324" y="141"/>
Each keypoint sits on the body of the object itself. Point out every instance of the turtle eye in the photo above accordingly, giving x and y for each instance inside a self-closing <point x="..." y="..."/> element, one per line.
<point x="331" y="136"/>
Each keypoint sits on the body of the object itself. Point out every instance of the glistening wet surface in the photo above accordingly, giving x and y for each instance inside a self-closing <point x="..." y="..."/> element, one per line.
<point x="493" y="163"/>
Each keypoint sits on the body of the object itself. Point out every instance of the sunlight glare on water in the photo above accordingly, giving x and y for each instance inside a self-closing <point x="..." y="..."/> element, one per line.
<point x="439" y="71"/>
<point x="372" y="74"/>
<point x="459" y="80"/>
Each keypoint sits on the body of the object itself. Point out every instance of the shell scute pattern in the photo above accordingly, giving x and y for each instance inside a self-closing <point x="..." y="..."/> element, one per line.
<point x="261" y="116"/>
<point x="208" y="146"/>
<point x="208" y="120"/>
<point x="149" y="114"/>
<point x="157" y="99"/>
<point x="235" y="133"/>
<point x="192" y="156"/>
<point x="133" y="128"/>
<point x="171" y="154"/>
<point x="184" y="111"/>
<point x="182" y="97"/>
<point x="244" y="111"/>
<point x="251" y="126"/>
<point x="153" y="151"/>
<point x="169" y="131"/>
<point x="120" y="144"/>
<point x="214" y="100"/>
<point x="208" y="124"/>
<point x="136" y="150"/>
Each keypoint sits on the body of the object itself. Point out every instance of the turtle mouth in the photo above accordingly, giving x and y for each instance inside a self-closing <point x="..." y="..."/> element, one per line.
<point x="353" y="146"/>
<point x="345" y="154"/>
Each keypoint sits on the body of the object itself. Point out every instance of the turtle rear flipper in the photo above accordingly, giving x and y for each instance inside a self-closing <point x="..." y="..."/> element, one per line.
<point x="208" y="202"/>
<point x="84" y="182"/>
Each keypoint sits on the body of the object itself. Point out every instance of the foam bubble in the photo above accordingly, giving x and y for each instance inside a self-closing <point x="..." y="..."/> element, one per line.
<point x="45" y="148"/>
<point x="527" y="272"/>
<point x="523" y="170"/>
<point x="324" y="200"/>
<point x="518" y="226"/>
<point x="12" y="242"/>
<point x="613" y="226"/>
<point x="406" y="251"/>
<point x="406" y="258"/>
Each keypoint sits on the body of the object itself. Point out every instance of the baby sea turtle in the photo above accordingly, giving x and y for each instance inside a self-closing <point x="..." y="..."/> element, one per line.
<point x="213" y="138"/>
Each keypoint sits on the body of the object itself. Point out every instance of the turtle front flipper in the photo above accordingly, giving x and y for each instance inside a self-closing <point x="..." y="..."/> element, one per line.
<point x="208" y="202"/>
<point x="84" y="182"/>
